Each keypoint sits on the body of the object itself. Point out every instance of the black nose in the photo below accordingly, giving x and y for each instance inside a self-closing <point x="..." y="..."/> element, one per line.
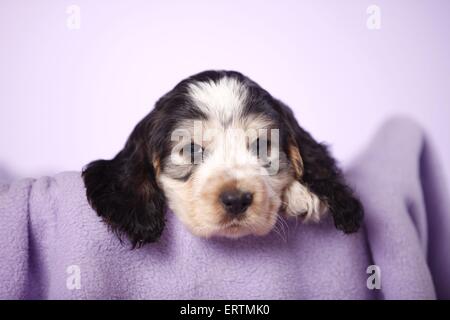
<point x="236" y="201"/>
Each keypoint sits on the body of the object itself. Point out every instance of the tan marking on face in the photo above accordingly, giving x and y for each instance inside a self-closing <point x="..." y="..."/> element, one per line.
<point x="296" y="159"/>
<point x="157" y="166"/>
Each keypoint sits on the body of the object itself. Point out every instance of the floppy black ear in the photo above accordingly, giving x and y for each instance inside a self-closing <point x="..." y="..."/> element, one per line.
<point x="317" y="169"/>
<point x="124" y="191"/>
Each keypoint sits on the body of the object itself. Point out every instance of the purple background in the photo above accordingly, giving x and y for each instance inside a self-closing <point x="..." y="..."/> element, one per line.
<point x="70" y="96"/>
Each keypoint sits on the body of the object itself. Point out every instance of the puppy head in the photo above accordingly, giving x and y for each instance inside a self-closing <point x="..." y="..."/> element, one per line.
<point x="226" y="157"/>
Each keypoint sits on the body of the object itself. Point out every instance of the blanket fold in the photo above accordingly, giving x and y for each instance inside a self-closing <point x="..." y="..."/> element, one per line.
<point x="54" y="246"/>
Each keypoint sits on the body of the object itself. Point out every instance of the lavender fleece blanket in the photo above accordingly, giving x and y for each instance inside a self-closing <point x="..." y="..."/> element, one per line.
<point x="53" y="245"/>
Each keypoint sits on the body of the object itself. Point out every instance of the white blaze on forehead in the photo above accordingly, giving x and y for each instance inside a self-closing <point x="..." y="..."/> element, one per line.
<point x="223" y="99"/>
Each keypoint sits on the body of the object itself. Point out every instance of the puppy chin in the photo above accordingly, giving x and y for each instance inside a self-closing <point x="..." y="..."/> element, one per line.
<point x="238" y="231"/>
<point x="232" y="230"/>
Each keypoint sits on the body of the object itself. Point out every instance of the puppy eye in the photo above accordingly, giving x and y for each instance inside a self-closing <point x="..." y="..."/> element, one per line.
<point x="194" y="152"/>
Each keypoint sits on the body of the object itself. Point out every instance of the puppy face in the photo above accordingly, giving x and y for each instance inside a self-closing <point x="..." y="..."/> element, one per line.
<point x="227" y="173"/>
<point x="227" y="158"/>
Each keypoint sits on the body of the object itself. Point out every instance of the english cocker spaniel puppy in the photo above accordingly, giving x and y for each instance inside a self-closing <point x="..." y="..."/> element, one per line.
<point x="227" y="158"/>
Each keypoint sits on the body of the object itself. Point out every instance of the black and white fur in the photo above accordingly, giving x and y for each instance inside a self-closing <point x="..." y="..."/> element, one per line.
<point x="132" y="191"/>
